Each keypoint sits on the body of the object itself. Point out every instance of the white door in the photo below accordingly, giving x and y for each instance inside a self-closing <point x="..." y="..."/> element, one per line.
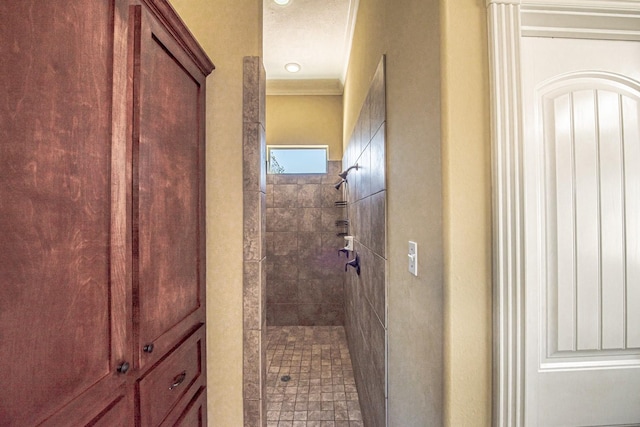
<point x="582" y="234"/>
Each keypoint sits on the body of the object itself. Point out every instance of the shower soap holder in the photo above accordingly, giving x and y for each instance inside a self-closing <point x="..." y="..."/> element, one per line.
<point x="348" y="243"/>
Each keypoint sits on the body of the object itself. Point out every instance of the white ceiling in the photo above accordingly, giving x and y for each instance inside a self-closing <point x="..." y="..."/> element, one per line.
<point x="313" y="33"/>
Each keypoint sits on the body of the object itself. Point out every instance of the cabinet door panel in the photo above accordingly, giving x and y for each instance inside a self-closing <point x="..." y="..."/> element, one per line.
<point x="166" y="183"/>
<point x="119" y="413"/>
<point x="100" y="406"/>
<point x="55" y="147"/>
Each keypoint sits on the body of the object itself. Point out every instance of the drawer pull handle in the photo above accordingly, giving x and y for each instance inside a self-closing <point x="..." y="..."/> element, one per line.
<point x="178" y="380"/>
<point x="123" y="367"/>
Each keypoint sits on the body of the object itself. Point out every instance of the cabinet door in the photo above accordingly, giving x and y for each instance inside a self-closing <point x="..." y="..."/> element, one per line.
<point x="60" y="340"/>
<point x="168" y="231"/>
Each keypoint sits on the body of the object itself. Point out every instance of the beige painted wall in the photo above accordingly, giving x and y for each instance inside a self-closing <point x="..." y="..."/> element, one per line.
<point x="305" y="120"/>
<point x="455" y="248"/>
<point x="467" y="213"/>
<point x="228" y="30"/>
<point x="407" y="31"/>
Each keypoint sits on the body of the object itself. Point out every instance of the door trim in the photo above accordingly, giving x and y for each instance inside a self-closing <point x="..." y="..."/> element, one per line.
<point x="508" y="22"/>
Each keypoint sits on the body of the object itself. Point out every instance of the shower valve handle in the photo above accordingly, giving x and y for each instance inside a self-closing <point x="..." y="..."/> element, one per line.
<point x="355" y="263"/>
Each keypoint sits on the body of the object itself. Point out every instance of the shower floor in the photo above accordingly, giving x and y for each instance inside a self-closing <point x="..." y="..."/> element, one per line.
<point x="321" y="391"/>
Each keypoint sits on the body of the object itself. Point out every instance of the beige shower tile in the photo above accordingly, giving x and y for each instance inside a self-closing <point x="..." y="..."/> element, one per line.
<point x="309" y="219"/>
<point x="378" y="161"/>
<point x="253" y="90"/>
<point x="364" y="123"/>
<point x="253" y="157"/>
<point x="252" y="412"/>
<point x="282" y="267"/>
<point x="282" y="291"/>
<point x="334" y="167"/>
<point x="378" y="223"/>
<point x="364" y="172"/>
<point x="252" y="295"/>
<point x="378" y="97"/>
<point x="253" y="244"/>
<point x="284" y="243"/>
<point x="309" y="195"/>
<point x="269" y="194"/>
<point x="285" y="195"/>
<point x="251" y="365"/>
<point x="282" y="219"/>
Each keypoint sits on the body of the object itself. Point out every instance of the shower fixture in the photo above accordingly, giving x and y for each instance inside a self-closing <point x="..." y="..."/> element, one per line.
<point x="344" y="174"/>
<point x="355" y="263"/>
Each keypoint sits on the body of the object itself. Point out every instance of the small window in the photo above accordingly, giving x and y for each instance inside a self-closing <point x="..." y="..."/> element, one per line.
<point x="296" y="159"/>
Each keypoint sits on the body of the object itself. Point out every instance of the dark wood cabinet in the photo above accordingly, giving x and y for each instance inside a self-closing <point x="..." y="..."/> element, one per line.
<point x="168" y="226"/>
<point x="102" y="280"/>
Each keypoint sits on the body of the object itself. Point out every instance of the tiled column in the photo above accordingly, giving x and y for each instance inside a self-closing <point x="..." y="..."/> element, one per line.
<point x="254" y="189"/>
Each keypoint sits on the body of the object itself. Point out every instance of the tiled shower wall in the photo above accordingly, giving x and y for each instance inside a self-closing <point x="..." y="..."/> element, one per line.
<point x="304" y="271"/>
<point x="365" y="295"/>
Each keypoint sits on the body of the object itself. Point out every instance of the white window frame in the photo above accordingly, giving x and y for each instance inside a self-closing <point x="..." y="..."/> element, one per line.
<point x="297" y="147"/>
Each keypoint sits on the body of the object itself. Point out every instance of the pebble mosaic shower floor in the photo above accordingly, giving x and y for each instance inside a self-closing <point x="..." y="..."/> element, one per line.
<point x="321" y="390"/>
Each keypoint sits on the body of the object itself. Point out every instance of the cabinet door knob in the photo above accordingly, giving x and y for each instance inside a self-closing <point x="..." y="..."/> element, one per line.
<point x="178" y="380"/>
<point x="148" y="348"/>
<point x="123" y="367"/>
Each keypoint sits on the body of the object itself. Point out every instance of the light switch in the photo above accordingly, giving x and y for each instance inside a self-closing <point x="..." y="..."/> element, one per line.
<point x="413" y="258"/>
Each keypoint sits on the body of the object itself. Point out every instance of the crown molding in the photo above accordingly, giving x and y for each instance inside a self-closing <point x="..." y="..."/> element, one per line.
<point x="506" y="2"/>
<point x="618" y="5"/>
<point x="351" y="26"/>
<point x="166" y="14"/>
<point x="305" y="87"/>
<point x="584" y="19"/>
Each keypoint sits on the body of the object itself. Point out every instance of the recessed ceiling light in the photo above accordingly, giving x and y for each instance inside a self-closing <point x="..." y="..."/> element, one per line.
<point x="282" y="2"/>
<point x="292" y="67"/>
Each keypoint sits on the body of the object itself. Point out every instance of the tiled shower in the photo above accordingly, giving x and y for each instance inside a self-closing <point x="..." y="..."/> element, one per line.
<point x="304" y="272"/>
<point x="365" y="294"/>
<point x="296" y="289"/>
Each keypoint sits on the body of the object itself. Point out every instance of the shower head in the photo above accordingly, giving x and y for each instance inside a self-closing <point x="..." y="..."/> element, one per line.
<point x="339" y="184"/>
<point x="344" y="174"/>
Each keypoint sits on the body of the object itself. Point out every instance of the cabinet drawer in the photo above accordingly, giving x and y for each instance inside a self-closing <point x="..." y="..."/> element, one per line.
<point x="195" y="415"/>
<point x="190" y="413"/>
<point x="168" y="382"/>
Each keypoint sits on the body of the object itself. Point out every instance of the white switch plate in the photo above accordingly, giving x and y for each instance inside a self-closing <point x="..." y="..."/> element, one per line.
<point x="413" y="258"/>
